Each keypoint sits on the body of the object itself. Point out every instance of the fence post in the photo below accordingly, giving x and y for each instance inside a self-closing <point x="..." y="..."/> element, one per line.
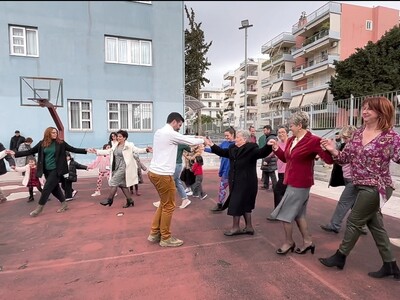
<point x="351" y="109"/>
<point x="311" y="116"/>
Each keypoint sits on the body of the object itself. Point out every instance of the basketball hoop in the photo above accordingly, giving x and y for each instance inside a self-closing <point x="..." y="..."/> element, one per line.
<point x="41" y="102"/>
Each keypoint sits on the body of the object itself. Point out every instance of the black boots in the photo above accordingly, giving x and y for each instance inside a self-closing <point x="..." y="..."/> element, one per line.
<point x="129" y="202"/>
<point x="106" y="202"/>
<point x="217" y="208"/>
<point x="337" y="260"/>
<point x="388" y="269"/>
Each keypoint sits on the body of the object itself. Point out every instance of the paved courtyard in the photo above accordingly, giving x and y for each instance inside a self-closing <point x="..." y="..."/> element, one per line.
<point x="90" y="252"/>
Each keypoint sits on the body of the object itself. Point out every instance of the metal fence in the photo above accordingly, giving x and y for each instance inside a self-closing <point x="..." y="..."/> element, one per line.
<point x="334" y="114"/>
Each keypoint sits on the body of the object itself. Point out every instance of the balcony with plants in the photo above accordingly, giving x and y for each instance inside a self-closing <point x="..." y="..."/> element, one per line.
<point x="314" y="63"/>
<point x="307" y="21"/>
<point x="319" y="38"/>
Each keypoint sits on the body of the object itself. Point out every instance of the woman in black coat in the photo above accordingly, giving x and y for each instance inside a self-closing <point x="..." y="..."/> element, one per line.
<point x="243" y="186"/>
<point x="52" y="163"/>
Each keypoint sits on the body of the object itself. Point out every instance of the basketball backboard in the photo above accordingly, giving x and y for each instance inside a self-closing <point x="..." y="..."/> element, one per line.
<point x="33" y="90"/>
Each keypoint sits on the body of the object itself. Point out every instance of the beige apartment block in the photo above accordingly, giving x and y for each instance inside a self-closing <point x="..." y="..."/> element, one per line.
<point x="234" y="100"/>
<point x="300" y="65"/>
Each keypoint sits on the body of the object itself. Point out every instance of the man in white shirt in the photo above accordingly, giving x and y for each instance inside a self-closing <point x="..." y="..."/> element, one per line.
<point x="161" y="170"/>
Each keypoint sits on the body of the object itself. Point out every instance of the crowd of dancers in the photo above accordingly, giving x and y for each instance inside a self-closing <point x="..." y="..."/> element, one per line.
<point x="360" y="162"/>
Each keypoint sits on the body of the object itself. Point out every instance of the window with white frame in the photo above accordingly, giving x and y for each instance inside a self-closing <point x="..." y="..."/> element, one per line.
<point x="368" y="25"/>
<point x="130" y="116"/>
<point x="127" y="51"/>
<point x="24" y="41"/>
<point x="80" y="114"/>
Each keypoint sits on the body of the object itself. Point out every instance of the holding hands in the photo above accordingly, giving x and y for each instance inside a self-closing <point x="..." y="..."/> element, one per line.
<point x="330" y="146"/>
<point x="10" y="152"/>
<point x="91" y="150"/>
<point x="273" y="143"/>
<point x="149" y="149"/>
<point x="207" y="141"/>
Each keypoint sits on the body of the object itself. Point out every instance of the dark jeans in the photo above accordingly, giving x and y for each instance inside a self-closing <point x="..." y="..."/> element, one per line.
<point x="67" y="187"/>
<point x="30" y="189"/>
<point x="268" y="175"/>
<point x="279" y="189"/>
<point x="51" y="186"/>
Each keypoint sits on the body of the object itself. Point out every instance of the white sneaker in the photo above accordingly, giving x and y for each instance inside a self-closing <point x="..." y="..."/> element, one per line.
<point x="204" y="196"/>
<point x="189" y="193"/>
<point x="185" y="203"/>
<point x="74" y="193"/>
<point x="187" y="190"/>
<point x="96" y="193"/>
<point x="156" y="204"/>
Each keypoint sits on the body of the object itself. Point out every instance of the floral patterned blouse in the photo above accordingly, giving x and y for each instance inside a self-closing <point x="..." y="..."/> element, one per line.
<point x="370" y="163"/>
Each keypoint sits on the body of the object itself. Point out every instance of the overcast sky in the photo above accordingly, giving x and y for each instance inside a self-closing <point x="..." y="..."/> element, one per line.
<point x="221" y="21"/>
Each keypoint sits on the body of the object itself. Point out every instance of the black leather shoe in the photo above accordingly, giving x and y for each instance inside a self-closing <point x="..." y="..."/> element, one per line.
<point x="281" y="252"/>
<point x="248" y="231"/>
<point x="304" y="251"/>
<point x="232" y="233"/>
<point x="336" y="260"/>
<point x="129" y="202"/>
<point x="217" y="208"/>
<point x="106" y="202"/>
<point x="328" y="229"/>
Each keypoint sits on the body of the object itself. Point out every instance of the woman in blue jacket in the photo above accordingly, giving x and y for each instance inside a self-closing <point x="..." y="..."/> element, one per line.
<point x="223" y="173"/>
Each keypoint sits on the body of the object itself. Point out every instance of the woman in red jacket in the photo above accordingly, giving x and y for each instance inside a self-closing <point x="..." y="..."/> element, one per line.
<point x="299" y="155"/>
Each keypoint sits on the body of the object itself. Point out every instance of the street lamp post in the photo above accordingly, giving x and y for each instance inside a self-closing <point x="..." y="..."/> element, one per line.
<point x="245" y="25"/>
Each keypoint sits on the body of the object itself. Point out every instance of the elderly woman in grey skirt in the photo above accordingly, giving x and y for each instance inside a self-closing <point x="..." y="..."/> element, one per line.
<point x="299" y="155"/>
<point x="243" y="186"/>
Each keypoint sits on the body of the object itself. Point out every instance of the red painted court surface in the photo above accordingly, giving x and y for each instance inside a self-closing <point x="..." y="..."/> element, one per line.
<point x="89" y="252"/>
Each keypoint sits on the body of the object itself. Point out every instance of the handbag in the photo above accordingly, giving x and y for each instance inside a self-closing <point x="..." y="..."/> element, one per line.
<point x="188" y="177"/>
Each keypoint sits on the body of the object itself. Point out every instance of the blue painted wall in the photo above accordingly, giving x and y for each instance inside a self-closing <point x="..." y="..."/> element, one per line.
<point x="71" y="47"/>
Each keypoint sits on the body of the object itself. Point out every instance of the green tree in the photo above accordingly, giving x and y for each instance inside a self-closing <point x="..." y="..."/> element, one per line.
<point x="370" y="70"/>
<point x="196" y="62"/>
<point x="204" y="120"/>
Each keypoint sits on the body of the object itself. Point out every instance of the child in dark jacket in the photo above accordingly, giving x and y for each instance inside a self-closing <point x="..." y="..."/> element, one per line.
<point x="197" y="169"/>
<point x="68" y="179"/>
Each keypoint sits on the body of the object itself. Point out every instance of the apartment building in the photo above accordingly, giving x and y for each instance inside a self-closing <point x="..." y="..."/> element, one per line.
<point x="104" y="65"/>
<point x="300" y="62"/>
<point x="212" y="100"/>
<point x="234" y="101"/>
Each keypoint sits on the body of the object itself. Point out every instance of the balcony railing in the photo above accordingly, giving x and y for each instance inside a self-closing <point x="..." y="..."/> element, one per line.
<point x="311" y="62"/>
<point x="275" y="58"/>
<point x="255" y="73"/>
<point x="316" y="37"/>
<point x="327" y="8"/>
<point x="284" y="36"/>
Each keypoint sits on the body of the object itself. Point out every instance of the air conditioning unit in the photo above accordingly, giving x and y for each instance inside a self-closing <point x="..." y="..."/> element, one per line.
<point x="334" y="44"/>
